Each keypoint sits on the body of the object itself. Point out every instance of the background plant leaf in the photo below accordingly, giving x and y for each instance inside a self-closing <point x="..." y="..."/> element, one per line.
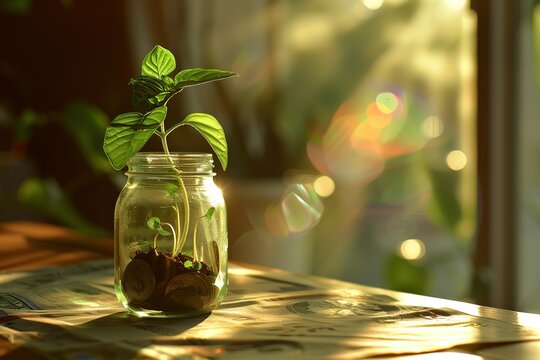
<point x="26" y="123"/>
<point x="128" y="133"/>
<point x="190" y="77"/>
<point x="212" y="131"/>
<point x="49" y="198"/>
<point x="87" y="123"/>
<point x="158" y="62"/>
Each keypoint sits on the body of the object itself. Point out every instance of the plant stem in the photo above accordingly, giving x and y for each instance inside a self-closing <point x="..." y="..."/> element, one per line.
<point x="155" y="240"/>
<point x="179" y="242"/>
<point x="177" y="246"/>
<point x="174" y="127"/>
<point x="195" y="256"/>
<point x="173" y="232"/>
<point x="164" y="141"/>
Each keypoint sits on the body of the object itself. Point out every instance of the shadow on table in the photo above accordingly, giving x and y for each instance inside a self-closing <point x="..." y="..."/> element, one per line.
<point x="102" y="338"/>
<point x="106" y="338"/>
<point x="171" y="342"/>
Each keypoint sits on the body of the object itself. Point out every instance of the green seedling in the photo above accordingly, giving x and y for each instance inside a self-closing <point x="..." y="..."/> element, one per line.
<point x="129" y="132"/>
<point x="155" y="223"/>
<point x="188" y="264"/>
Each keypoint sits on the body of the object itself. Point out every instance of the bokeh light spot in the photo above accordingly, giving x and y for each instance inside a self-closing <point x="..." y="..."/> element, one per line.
<point x="302" y="208"/>
<point x="432" y="127"/>
<point x="324" y="186"/>
<point x="387" y="102"/>
<point x="310" y="31"/>
<point x="373" y="4"/>
<point x="412" y="249"/>
<point x="456" y="160"/>
<point x="456" y="4"/>
<point x="377" y="118"/>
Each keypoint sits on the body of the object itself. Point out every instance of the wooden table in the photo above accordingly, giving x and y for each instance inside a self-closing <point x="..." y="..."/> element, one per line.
<point x="267" y="314"/>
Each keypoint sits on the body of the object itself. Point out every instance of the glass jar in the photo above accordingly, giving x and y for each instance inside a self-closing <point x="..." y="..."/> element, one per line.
<point x="170" y="236"/>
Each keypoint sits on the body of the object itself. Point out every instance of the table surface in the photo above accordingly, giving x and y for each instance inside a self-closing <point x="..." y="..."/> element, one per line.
<point x="70" y="312"/>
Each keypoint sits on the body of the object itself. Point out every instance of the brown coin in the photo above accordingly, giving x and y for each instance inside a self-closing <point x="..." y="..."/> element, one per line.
<point x="138" y="281"/>
<point x="192" y="281"/>
<point x="195" y="282"/>
<point x="157" y="295"/>
<point x="165" y="268"/>
<point x="181" y="299"/>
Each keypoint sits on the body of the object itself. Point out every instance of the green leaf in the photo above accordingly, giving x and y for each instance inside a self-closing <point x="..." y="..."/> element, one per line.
<point x="190" y="77"/>
<point x="153" y="223"/>
<point x="160" y="98"/>
<point x="164" y="232"/>
<point x="209" y="213"/>
<point x="158" y="63"/>
<point x="171" y="189"/>
<point x="146" y="88"/>
<point x="128" y="133"/>
<point x="197" y="266"/>
<point x="188" y="264"/>
<point x="142" y="243"/>
<point x="168" y="80"/>
<point x="212" y="131"/>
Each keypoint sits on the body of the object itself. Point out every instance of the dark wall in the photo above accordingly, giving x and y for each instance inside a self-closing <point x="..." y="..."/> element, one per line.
<point x="54" y="53"/>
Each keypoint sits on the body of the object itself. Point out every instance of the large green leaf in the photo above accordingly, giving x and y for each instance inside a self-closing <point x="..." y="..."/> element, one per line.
<point x="146" y="88"/>
<point x="128" y="133"/>
<point x="158" y="63"/>
<point x="212" y="131"/>
<point x="190" y="77"/>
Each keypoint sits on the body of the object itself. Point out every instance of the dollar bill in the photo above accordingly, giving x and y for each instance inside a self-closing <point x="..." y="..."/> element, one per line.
<point x="72" y="312"/>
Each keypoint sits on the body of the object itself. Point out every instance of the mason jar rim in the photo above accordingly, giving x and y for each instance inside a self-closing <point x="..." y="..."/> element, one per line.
<point x="193" y="154"/>
<point x="186" y="163"/>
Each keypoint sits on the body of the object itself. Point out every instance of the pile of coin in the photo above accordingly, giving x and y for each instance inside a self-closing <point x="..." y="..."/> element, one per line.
<point x="156" y="281"/>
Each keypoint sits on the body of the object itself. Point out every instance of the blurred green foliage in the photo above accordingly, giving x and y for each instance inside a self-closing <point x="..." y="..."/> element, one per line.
<point x="86" y="124"/>
<point x="18" y="7"/>
<point x="47" y="197"/>
<point x="405" y="275"/>
<point x="536" y="38"/>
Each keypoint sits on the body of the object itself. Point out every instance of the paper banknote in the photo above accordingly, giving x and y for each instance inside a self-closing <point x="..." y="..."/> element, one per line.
<point x="71" y="312"/>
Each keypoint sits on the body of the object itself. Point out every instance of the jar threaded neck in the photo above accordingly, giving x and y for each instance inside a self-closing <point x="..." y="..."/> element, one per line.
<point x="187" y="164"/>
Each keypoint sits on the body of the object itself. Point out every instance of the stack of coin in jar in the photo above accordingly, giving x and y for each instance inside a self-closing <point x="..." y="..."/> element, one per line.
<point x="156" y="281"/>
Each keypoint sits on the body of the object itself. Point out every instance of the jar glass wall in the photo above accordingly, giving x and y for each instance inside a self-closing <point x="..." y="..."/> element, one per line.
<point x="170" y="236"/>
